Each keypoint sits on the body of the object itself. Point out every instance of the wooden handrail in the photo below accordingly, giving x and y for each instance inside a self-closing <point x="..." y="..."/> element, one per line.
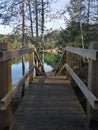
<point x="91" y="98"/>
<point x="7" y="55"/>
<point x="88" y="53"/>
<point x="40" y="64"/>
<point x="60" y="61"/>
<point x="88" y="94"/>
<point x="6" y="100"/>
<point x="36" y="53"/>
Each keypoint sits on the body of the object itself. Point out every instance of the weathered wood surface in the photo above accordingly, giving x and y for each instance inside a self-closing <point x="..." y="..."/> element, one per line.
<point x="91" y="98"/>
<point x="7" y="55"/>
<point x="50" y="104"/>
<point x="6" y="100"/>
<point x="88" y="53"/>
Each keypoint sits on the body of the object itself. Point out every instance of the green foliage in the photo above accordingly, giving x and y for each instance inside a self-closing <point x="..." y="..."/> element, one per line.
<point x="52" y="59"/>
<point x="15" y="40"/>
<point x="52" y="38"/>
<point x="19" y="59"/>
<point x="72" y="34"/>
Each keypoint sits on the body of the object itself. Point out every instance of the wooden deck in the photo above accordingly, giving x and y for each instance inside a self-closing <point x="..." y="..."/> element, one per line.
<point x="50" y="104"/>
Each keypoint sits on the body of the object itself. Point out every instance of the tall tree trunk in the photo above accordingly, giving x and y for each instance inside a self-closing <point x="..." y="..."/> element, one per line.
<point x="31" y="22"/>
<point x="82" y="37"/>
<point x="88" y="12"/>
<point x="23" y="45"/>
<point x="97" y="8"/>
<point x="36" y="10"/>
<point x="23" y="36"/>
<point x="88" y="17"/>
<point x="81" y="31"/>
<point x="43" y="43"/>
<point x="23" y="25"/>
<point x="81" y="28"/>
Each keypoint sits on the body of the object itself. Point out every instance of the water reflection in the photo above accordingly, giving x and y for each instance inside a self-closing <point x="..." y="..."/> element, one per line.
<point x="17" y="71"/>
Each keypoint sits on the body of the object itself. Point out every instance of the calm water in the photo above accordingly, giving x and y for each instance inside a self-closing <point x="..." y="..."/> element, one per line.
<point x="17" y="71"/>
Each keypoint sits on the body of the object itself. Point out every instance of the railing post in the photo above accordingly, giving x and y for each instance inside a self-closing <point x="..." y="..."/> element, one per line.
<point x="6" y="116"/>
<point x="39" y="66"/>
<point x="68" y="61"/>
<point x="93" y="84"/>
<point x="31" y="63"/>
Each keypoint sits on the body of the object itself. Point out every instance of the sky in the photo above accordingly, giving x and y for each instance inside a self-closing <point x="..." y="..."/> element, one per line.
<point x="57" y="6"/>
<point x="4" y="29"/>
<point x="53" y="24"/>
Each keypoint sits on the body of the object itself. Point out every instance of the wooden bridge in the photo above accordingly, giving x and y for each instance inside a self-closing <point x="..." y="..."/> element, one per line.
<point x="49" y="102"/>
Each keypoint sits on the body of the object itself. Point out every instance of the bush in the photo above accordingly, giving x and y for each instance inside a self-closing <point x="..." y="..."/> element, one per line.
<point x="52" y="59"/>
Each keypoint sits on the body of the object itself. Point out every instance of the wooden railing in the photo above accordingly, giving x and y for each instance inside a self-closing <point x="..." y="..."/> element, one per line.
<point x="90" y="91"/>
<point x="7" y="91"/>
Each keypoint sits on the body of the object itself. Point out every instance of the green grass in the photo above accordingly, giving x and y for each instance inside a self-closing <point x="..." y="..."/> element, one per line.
<point x="52" y="60"/>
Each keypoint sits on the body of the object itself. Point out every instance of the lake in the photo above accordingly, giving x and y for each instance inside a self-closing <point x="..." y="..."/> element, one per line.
<point x="17" y="71"/>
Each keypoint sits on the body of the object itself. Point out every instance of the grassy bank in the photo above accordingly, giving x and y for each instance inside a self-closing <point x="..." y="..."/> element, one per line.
<point x="52" y="59"/>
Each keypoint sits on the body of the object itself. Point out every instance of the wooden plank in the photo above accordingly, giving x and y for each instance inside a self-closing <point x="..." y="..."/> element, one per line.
<point x="6" y="117"/>
<point x="31" y="63"/>
<point x="50" y="104"/>
<point x="88" y="94"/>
<point x="6" y="55"/>
<point x="68" y="61"/>
<point x="38" y="58"/>
<point x="6" y="100"/>
<point x="60" y="61"/>
<point x="93" y="82"/>
<point x="58" y="73"/>
<point x="40" y="68"/>
<point x="88" y="53"/>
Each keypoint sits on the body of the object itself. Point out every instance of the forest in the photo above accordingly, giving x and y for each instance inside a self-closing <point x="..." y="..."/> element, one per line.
<point x="29" y="18"/>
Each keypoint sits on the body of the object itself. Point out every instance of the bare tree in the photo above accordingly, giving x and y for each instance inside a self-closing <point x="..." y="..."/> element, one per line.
<point x="23" y="36"/>
<point x="31" y="20"/>
<point x="23" y="25"/>
<point x="42" y="34"/>
<point x="36" y="10"/>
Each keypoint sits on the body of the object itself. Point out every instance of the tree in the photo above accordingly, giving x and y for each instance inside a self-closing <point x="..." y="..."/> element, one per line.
<point x="42" y="29"/>
<point x="31" y="20"/>
<point x="36" y="10"/>
<point x="75" y="10"/>
<point x="23" y="25"/>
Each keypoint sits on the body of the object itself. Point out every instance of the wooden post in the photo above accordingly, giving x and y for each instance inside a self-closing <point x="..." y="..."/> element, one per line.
<point x="39" y="66"/>
<point x="31" y="63"/>
<point x="93" y="84"/>
<point x="6" y="116"/>
<point x="39" y="69"/>
<point x="68" y="61"/>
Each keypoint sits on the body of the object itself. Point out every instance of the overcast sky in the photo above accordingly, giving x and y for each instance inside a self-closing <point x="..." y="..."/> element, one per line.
<point x="57" y="5"/>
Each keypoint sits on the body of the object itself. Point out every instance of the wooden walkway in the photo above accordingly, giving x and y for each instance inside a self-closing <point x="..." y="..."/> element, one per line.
<point x="50" y="104"/>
